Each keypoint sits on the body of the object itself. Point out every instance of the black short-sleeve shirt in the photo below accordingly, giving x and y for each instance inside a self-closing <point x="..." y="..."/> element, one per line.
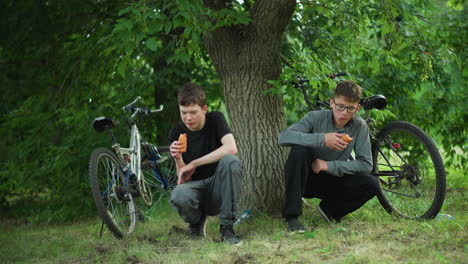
<point x="202" y="142"/>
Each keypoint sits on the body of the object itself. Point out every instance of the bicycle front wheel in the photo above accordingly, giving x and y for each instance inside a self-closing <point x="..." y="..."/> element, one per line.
<point x="111" y="192"/>
<point x="410" y="170"/>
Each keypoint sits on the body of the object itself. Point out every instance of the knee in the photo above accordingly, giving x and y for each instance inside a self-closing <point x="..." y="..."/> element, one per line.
<point x="301" y="152"/>
<point x="180" y="195"/>
<point x="299" y="156"/>
<point x="372" y="184"/>
<point x="232" y="162"/>
<point x="183" y="201"/>
<point x="299" y="149"/>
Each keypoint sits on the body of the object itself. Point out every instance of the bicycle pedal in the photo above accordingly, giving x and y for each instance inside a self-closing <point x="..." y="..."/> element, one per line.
<point x="133" y="190"/>
<point x="149" y="164"/>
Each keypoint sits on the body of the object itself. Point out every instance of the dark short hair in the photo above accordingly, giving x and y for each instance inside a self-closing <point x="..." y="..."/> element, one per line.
<point x="191" y="93"/>
<point x="349" y="89"/>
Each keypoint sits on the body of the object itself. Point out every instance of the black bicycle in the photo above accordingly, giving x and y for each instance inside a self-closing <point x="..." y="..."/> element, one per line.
<point x="129" y="184"/>
<point x="405" y="159"/>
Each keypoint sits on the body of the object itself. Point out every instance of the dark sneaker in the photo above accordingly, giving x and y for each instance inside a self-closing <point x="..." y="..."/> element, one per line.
<point x="325" y="216"/>
<point x="199" y="229"/>
<point x="228" y="235"/>
<point x="294" y="225"/>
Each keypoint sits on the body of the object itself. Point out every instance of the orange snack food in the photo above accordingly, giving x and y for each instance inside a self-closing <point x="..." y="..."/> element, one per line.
<point x="347" y="138"/>
<point x="183" y="142"/>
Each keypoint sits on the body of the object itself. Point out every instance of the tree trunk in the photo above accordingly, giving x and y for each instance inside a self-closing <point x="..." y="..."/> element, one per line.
<point x="246" y="57"/>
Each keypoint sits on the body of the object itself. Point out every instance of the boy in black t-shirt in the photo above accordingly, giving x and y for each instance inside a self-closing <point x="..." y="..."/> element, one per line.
<point x="209" y="173"/>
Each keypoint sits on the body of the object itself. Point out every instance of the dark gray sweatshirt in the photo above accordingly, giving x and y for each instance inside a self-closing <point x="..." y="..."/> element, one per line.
<point x="310" y="132"/>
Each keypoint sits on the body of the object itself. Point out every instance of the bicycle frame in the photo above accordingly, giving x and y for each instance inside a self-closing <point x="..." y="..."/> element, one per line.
<point x="121" y="174"/>
<point x="133" y="152"/>
<point x="131" y="156"/>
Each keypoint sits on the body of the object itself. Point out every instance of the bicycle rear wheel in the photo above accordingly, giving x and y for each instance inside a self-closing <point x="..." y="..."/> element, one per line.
<point x="111" y="192"/>
<point x="160" y="178"/>
<point x="410" y="170"/>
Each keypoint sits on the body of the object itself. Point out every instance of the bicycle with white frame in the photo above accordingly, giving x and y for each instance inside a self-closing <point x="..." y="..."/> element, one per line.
<point x="121" y="176"/>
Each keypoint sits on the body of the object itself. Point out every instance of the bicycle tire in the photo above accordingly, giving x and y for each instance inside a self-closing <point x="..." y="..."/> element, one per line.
<point x="161" y="179"/>
<point x="110" y="190"/>
<point x="410" y="170"/>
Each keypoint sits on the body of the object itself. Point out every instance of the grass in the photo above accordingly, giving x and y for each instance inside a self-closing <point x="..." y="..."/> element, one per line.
<point x="369" y="235"/>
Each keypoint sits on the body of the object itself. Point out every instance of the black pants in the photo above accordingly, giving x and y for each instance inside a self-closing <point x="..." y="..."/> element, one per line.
<point x="340" y="195"/>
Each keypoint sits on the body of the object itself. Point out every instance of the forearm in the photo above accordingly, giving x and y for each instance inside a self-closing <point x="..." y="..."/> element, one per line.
<point x="300" y="133"/>
<point x="291" y="137"/>
<point x="179" y="164"/>
<point x="340" y="167"/>
<point x="215" y="155"/>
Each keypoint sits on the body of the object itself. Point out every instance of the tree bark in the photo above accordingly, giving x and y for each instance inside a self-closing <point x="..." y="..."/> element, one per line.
<point x="246" y="57"/>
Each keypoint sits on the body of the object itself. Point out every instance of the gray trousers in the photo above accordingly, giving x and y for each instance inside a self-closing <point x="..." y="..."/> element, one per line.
<point x="218" y="194"/>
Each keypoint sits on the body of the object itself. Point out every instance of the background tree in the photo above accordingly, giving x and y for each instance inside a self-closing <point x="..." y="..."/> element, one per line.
<point x="246" y="57"/>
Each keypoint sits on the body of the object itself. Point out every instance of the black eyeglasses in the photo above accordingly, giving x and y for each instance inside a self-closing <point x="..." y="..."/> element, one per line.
<point x="342" y="107"/>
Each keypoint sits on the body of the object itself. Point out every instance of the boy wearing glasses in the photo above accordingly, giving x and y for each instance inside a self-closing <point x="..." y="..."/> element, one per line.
<point x="319" y="163"/>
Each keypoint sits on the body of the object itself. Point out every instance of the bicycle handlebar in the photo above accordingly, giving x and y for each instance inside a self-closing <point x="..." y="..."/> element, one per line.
<point x="301" y="79"/>
<point x="161" y="107"/>
<point x="130" y="105"/>
<point x="144" y="111"/>
<point x="139" y="110"/>
<point x="338" y="74"/>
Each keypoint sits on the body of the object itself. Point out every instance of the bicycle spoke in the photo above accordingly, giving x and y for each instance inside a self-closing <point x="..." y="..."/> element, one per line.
<point x="407" y="195"/>
<point x="111" y="194"/>
<point x="161" y="178"/>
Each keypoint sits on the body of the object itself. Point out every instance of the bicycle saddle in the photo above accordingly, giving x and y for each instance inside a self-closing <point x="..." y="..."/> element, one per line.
<point x="377" y="101"/>
<point x="103" y="123"/>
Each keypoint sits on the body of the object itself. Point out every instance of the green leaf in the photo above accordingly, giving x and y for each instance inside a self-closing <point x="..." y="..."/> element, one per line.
<point x="155" y="26"/>
<point x="121" y="69"/>
<point x="310" y="234"/>
<point x="74" y="36"/>
<point x="178" y="21"/>
<point x="124" y="11"/>
<point x="123" y="24"/>
<point x="167" y="27"/>
<point x="152" y="44"/>
<point x="184" y="57"/>
<point x="101" y="40"/>
<point x="187" y="31"/>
